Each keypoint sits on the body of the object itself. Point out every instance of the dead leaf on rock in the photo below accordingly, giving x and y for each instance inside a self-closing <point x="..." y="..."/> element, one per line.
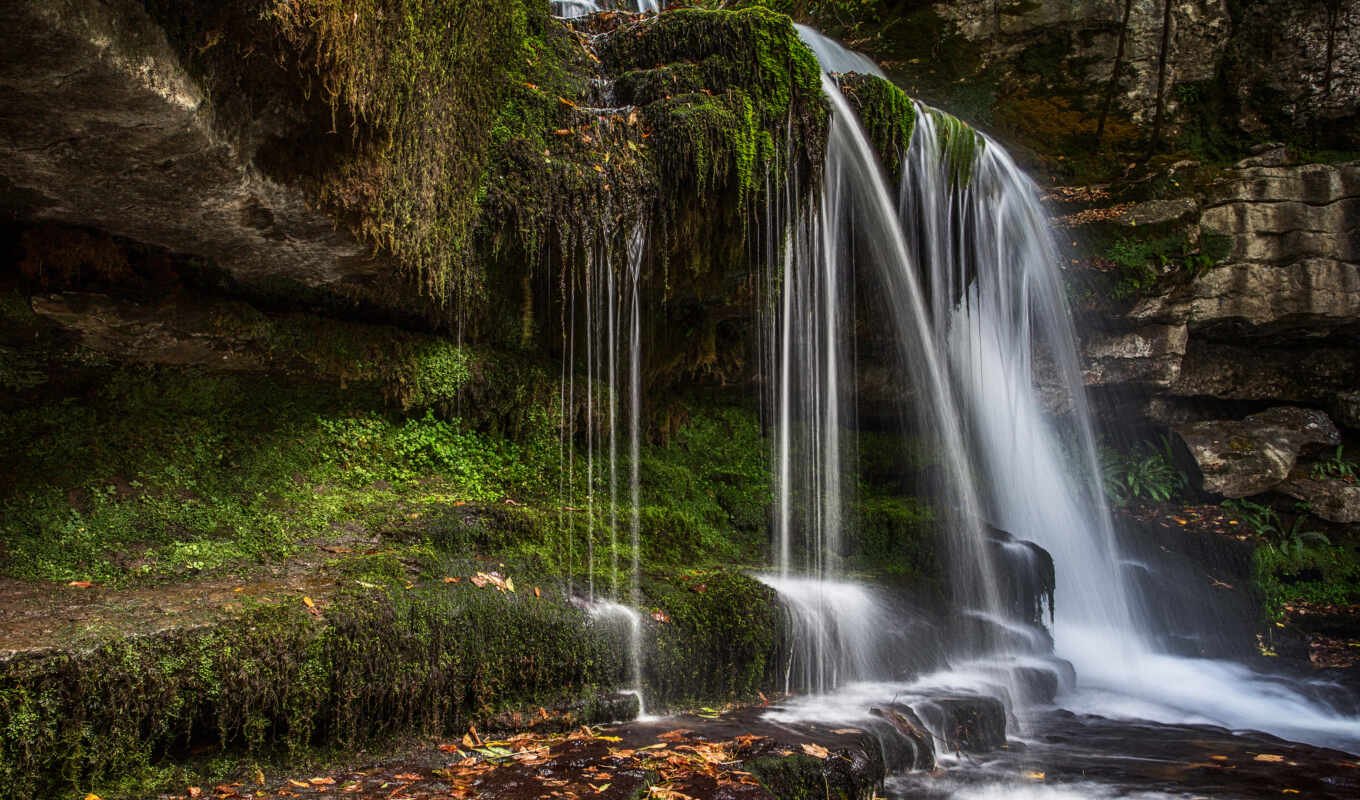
<point x="816" y="750"/>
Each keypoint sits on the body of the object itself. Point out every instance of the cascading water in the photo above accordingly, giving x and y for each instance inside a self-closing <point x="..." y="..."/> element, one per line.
<point x="968" y="222"/>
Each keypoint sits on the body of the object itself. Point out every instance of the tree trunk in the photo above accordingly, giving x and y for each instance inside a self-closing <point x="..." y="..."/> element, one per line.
<point x="1113" y="87"/>
<point x="1162" y="58"/>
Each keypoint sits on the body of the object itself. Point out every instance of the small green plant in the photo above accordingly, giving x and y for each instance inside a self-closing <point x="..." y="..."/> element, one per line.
<point x="1143" y="264"/>
<point x="1145" y="473"/>
<point x="1291" y="540"/>
<point x="1336" y="466"/>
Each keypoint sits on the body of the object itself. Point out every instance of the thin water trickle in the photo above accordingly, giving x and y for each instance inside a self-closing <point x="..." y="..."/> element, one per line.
<point x="571" y="9"/>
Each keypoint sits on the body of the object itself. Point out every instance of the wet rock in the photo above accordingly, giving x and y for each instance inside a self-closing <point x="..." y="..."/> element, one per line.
<point x="1240" y="458"/>
<point x="907" y="744"/>
<point x="1084" y="37"/>
<point x="1149" y="355"/>
<point x="1279" y="214"/>
<point x="967" y="723"/>
<point x="1333" y="499"/>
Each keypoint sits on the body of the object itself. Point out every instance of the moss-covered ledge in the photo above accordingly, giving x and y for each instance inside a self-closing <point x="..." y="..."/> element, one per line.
<point x="392" y="651"/>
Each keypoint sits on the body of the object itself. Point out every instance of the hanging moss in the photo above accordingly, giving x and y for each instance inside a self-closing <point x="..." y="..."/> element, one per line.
<point x="960" y="146"/>
<point x="419" y="83"/>
<point x="758" y="110"/>
<point x="887" y="114"/>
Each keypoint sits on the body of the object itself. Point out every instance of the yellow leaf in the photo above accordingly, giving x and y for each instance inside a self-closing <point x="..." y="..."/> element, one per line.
<point x="92" y="796"/>
<point x="1269" y="758"/>
<point x="510" y="584"/>
<point x="1035" y="776"/>
<point x="609" y="738"/>
<point x="816" y="750"/>
<point x="307" y="601"/>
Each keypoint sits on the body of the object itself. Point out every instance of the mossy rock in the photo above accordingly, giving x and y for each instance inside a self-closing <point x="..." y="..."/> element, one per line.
<point x="887" y="114"/>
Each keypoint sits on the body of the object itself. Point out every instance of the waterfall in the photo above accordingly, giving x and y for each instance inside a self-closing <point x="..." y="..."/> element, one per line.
<point x="963" y="255"/>
<point x="854" y="221"/>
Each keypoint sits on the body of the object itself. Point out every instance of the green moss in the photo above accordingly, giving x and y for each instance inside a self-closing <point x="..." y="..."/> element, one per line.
<point x="726" y="621"/>
<point x="887" y="114"/>
<point x="1148" y="263"/>
<point x="960" y="146"/>
<point x="758" y="106"/>
<point x="113" y="719"/>
<point x="894" y="537"/>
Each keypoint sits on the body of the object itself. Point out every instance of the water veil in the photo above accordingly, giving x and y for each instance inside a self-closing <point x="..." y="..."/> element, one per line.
<point x="962" y="253"/>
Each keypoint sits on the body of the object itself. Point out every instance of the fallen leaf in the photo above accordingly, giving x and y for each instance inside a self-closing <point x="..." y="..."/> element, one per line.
<point x="1035" y="776"/>
<point x="195" y="791"/>
<point x="815" y="750"/>
<point x="537" y="592"/>
<point x="81" y="584"/>
<point x="1269" y="758"/>
<point x="408" y="776"/>
<point x="321" y="781"/>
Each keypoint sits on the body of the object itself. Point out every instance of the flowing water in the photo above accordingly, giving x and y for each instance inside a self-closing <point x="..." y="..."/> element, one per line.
<point x="963" y="254"/>
<point x="960" y="256"/>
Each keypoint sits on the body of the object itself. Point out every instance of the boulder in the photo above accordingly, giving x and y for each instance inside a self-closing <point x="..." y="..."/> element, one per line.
<point x="1240" y="458"/>
<point x="1334" y="499"/>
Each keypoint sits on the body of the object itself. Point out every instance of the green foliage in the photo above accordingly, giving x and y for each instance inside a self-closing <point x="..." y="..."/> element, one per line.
<point x="1291" y="540"/>
<point x="1312" y="573"/>
<point x="1145" y="264"/>
<point x="163" y="473"/>
<point x="1336" y="466"/>
<point x="1147" y="472"/>
<point x="706" y="492"/>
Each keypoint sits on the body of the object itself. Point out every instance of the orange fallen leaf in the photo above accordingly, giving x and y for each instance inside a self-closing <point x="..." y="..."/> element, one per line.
<point x="81" y="584"/>
<point x="408" y="776"/>
<point x="1035" y="776"/>
<point x="195" y="791"/>
<point x="1270" y="758"/>
<point x="321" y="781"/>
<point x="537" y="592"/>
